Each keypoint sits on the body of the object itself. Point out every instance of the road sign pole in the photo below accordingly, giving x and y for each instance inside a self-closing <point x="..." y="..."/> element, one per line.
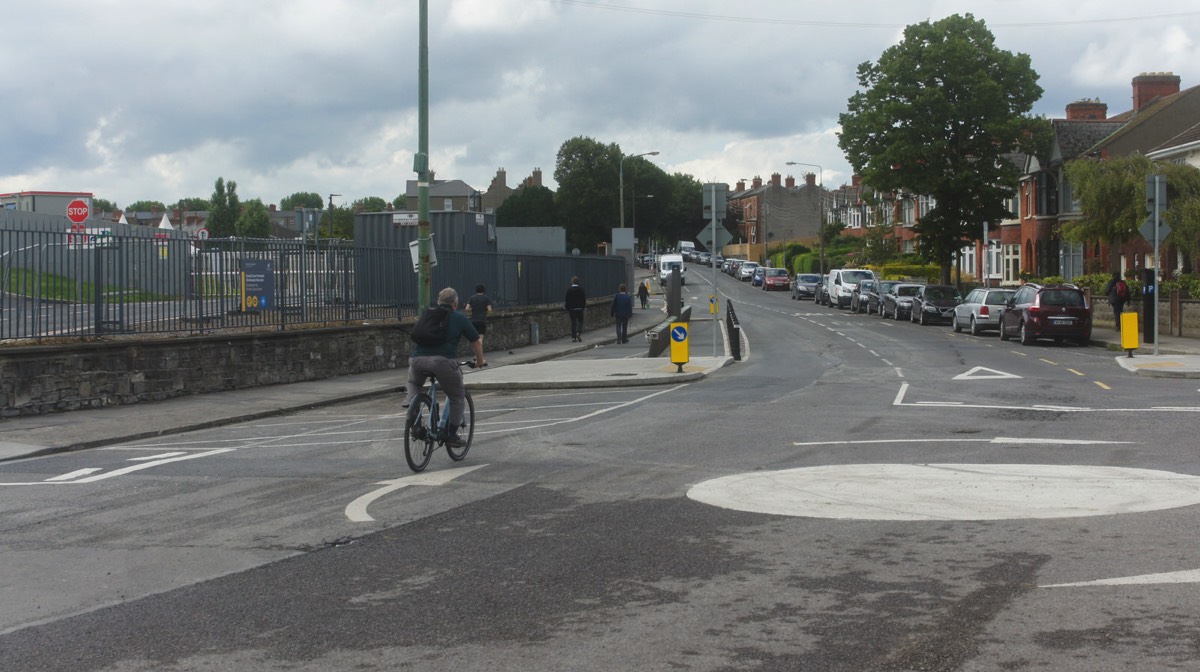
<point x="1158" y="189"/>
<point x="716" y="314"/>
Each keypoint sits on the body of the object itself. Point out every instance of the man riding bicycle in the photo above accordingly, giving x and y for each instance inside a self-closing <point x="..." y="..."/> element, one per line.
<point x="439" y="362"/>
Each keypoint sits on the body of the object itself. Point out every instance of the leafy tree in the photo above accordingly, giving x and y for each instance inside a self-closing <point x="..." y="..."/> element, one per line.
<point x="301" y="199"/>
<point x="254" y="220"/>
<point x="103" y="205"/>
<point x="343" y="222"/>
<point x="528" y="206"/>
<point x="1112" y="201"/>
<point x="682" y="210"/>
<point x="938" y="113"/>
<point x="369" y="204"/>
<point x="586" y="172"/>
<point x="193" y="204"/>
<point x="146" y="206"/>
<point x="223" y="210"/>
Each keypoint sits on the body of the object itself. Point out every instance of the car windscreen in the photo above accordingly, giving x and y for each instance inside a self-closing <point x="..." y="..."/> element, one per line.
<point x="940" y="293"/>
<point x="809" y="278"/>
<point x="777" y="272"/>
<point x="856" y="276"/>
<point x="1061" y="297"/>
<point x="907" y="291"/>
<point x="672" y="265"/>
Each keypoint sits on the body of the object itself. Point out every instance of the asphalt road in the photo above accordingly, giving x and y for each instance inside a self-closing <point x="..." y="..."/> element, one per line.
<point x="857" y="494"/>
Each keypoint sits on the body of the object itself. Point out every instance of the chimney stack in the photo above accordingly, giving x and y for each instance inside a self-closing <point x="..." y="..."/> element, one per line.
<point x="1087" y="109"/>
<point x="1151" y="86"/>
<point x="790" y="182"/>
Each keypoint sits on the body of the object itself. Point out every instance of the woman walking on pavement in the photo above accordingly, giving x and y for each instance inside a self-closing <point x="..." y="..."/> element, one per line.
<point x="622" y="310"/>
<point x="574" y="303"/>
<point x="644" y="294"/>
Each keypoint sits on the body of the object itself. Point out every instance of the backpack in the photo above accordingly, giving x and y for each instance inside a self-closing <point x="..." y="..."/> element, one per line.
<point x="430" y="329"/>
<point x="1121" y="289"/>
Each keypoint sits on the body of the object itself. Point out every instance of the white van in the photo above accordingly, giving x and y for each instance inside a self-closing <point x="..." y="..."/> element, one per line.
<point x="841" y="283"/>
<point x="669" y="262"/>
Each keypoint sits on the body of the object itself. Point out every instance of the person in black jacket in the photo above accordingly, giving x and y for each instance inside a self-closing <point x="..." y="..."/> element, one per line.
<point x="575" y="302"/>
<point x="622" y="310"/>
<point x="1117" y="291"/>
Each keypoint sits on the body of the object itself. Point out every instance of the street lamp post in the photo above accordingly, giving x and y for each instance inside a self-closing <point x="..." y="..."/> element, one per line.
<point x="820" y="207"/>
<point x="621" y="180"/>
<point x="331" y="197"/>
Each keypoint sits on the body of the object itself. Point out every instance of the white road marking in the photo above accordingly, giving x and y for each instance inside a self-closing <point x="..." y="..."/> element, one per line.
<point x="160" y="456"/>
<point x="129" y="470"/>
<point x="942" y="492"/>
<point x="356" y="511"/>
<point x="899" y="401"/>
<point x="1182" y="576"/>
<point x="1005" y="440"/>
<point x="984" y="373"/>
<point x="74" y="474"/>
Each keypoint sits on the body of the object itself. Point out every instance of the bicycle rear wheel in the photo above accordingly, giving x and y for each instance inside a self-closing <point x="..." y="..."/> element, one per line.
<point x="419" y="432"/>
<point x="466" y="430"/>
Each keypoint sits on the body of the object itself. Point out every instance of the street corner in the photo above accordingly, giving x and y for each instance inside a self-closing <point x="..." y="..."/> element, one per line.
<point x="1162" y="366"/>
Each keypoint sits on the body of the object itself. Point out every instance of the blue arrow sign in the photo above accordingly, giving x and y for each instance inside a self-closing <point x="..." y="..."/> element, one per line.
<point x="679" y="334"/>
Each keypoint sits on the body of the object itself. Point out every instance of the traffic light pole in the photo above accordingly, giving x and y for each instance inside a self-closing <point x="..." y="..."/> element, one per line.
<point x="421" y="162"/>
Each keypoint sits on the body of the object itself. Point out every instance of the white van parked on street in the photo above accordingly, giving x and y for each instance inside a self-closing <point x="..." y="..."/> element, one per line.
<point x="669" y="262"/>
<point x="841" y="283"/>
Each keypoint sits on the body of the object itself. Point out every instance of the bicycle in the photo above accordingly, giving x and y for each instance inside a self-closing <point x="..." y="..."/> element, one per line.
<point x="425" y="427"/>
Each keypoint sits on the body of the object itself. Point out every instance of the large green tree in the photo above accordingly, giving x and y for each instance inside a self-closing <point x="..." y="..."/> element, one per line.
<point x="1112" y="201"/>
<point x="586" y="173"/>
<point x="531" y="205"/>
<point x="224" y="209"/>
<point x="192" y="204"/>
<point x="146" y="206"/>
<point x="301" y="199"/>
<point x="254" y="221"/>
<point x="937" y="115"/>
<point x="369" y="204"/>
<point x="103" y="205"/>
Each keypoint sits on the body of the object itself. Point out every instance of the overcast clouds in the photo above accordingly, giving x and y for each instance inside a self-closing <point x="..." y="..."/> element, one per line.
<point x="154" y="99"/>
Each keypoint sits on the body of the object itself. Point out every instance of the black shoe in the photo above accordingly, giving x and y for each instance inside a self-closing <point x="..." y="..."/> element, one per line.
<point x="455" y="441"/>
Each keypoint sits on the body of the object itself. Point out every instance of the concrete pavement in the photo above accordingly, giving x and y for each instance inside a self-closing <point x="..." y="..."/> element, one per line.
<point x="555" y="364"/>
<point x="535" y="366"/>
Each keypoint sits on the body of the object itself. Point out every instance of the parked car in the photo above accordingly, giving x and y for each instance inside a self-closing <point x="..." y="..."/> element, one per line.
<point x="804" y="285"/>
<point x="756" y="279"/>
<point x="858" y="298"/>
<point x="898" y="300"/>
<point x="1047" y="311"/>
<point x="718" y="261"/>
<point x="735" y="265"/>
<point x="875" y="296"/>
<point x="819" y="292"/>
<point x="746" y="270"/>
<point x="840" y="284"/>
<point x="935" y="303"/>
<point x="980" y="311"/>
<point x="775" y="278"/>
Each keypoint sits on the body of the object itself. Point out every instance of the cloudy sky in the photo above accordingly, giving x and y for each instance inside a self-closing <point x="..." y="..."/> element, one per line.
<point x="155" y="99"/>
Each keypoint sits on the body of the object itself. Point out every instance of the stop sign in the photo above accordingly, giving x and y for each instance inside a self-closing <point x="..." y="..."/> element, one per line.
<point x="78" y="211"/>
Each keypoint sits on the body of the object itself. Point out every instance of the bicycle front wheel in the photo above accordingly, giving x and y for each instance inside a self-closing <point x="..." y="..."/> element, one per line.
<point x="466" y="430"/>
<point x="419" y="432"/>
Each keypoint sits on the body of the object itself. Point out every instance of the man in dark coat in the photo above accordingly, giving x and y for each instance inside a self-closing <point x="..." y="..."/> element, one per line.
<point x="575" y="302"/>
<point x="622" y="310"/>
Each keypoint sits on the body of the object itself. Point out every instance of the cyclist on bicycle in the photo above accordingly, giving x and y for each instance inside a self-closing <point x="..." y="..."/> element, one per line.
<point x="440" y="363"/>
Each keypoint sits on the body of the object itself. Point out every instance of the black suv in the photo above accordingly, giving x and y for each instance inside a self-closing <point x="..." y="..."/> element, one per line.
<point x="1047" y="311"/>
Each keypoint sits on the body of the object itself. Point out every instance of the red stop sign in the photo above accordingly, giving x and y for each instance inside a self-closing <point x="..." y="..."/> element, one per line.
<point x="78" y="211"/>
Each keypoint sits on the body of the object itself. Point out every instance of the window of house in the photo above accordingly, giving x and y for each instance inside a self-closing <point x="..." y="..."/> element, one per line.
<point x="447" y="203"/>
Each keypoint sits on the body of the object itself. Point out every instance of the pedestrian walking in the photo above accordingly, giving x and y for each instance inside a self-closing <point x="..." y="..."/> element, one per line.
<point x="479" y="305"/>
<point x="644" y="294"/>
<point x="574" y="303"/>
<point x="1117" y="291"/>
<point x="622" y="310"/>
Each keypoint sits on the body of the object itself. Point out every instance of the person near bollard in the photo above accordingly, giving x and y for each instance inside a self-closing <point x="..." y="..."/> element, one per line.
<point x="1117" y="291"/>
<point x="574" y="303"/>
<point x="622" y="310"/>
<point x="644" y="294"/>
<point x="479" y="305"/>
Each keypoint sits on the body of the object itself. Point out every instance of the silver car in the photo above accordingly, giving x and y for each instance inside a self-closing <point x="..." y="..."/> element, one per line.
<point x="980" y="311"/>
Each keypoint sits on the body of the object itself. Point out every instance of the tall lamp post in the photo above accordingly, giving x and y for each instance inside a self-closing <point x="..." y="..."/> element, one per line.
<point x="331" y="197"/>
<point x="621" y="180"/>
<point x="820" y="207"/>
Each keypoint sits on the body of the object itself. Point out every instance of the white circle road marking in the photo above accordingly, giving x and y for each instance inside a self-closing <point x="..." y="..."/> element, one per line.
<point x="950" y="491"/>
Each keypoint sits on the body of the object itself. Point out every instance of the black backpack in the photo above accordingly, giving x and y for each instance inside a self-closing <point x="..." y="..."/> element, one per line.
<point x="430" y="329"/>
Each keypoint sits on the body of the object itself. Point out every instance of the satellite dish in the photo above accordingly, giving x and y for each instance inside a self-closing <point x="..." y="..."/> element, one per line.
<point x="575" y="252"/>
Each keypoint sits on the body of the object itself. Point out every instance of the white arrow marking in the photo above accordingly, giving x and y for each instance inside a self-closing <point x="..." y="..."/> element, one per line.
<point x="125" y="470"/>
<point x="160" y="456"/>
<point x="74" y="474"/>
<point x="984" y="373"/>
<point x="356" y="511"/>
<point x="1184" y="576"/>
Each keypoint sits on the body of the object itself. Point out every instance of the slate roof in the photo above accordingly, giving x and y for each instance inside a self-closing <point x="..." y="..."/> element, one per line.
<point x="1145" y="114"/>
<point x="1187" y="137"/>
<point x="440" y="189"/>
<point x="1075" y="137"/>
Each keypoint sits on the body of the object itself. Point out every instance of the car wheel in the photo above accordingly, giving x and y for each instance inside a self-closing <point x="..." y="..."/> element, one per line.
<point x="955" y="325"/>
<point x="1003" y="332"/>
<point x="1026" y="337"/>
<point x="974" y="327"/>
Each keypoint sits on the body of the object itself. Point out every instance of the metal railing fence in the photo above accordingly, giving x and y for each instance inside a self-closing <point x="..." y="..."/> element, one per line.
<point x="65" y="284"/>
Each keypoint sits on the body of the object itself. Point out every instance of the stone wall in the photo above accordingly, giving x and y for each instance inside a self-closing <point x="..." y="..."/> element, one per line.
<point x="1176" y="317"/>
<point x="51" y="378"/>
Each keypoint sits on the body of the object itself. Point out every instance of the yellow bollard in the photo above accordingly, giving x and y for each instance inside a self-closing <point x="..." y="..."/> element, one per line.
<point x="1129" y="332"/>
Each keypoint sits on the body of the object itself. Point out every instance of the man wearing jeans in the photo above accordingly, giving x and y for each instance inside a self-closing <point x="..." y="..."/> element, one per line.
<point x="440" y="362"/>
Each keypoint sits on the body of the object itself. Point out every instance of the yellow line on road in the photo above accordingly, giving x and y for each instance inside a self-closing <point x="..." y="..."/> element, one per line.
<point x="1048" y="361"/>
<point x="1102" y="385"/>
<point x="1078" y="373"/>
